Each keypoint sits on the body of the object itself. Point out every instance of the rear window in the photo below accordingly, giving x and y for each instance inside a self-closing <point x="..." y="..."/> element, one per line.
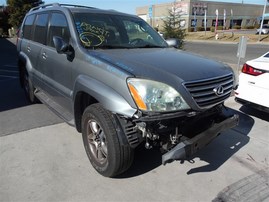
<point x="266" y="56"/>
<point x="28" y="25"/>
<point x="41" y="28"/>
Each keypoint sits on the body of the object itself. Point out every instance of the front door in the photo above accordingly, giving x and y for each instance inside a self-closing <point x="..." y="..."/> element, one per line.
<point x="57" y="69"/>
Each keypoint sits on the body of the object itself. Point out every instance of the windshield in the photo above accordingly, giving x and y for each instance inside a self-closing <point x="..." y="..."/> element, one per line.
<point x="115" y="31"/>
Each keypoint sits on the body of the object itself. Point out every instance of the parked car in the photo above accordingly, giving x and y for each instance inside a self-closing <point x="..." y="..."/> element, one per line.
<point x="265" y="30"/>
<point x="115" y="79"/>
<point x="253" y="86"/>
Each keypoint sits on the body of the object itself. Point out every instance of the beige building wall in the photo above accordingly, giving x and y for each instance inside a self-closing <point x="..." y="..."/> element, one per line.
<point x="240" y="14"/>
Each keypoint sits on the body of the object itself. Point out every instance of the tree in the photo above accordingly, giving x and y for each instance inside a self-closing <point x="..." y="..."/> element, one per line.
<point x="18" y="9"/>
<point x="3" y="20"/>
<point x="172" y="27"/>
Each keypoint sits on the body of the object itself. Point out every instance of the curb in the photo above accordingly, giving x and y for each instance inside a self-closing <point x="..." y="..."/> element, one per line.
<point x="226" y="42"/>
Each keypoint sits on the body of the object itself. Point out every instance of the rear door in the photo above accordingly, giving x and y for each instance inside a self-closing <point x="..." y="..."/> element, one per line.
<point x="34" y="35"/>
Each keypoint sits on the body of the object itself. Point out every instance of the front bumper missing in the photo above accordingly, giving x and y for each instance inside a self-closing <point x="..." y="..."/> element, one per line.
<point x="188" y="147"/>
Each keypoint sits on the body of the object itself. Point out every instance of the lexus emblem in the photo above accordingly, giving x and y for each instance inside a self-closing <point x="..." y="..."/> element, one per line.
<point x="218" y="90"/>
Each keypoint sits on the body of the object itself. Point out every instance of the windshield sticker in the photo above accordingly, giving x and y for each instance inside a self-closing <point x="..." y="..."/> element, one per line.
<point x="91" y="35"/>
<point x="90" y="39"/>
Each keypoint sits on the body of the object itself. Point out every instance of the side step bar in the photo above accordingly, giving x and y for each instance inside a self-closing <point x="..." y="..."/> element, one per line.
<point x="59" y="110"/>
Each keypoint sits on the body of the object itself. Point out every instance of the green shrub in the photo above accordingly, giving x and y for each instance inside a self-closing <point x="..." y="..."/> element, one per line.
<point x="191" y="29"/>
<point x="257" y="26"/>
<point x="200" y="29"/>
<point x="212" y="29"/>
<point x="236" y="27"/>
<point x="248" y="27"/>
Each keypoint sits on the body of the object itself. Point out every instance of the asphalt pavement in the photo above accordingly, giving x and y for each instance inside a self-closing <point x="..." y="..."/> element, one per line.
<point x="48" y="163"/>
<point x="15" y="112"/>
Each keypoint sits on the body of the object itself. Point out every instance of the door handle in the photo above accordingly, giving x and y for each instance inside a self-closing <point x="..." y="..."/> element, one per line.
<point x="44" y="55"/>
<point x="29" y="49"/>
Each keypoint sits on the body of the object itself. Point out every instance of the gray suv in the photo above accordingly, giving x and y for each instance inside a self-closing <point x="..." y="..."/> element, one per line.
<point x="115" y="79"/>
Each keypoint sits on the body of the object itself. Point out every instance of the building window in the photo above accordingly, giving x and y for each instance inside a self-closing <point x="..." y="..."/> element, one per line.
<point x="220" y="23"/>
<point x="193" y="22"/>
<point x="199" y="9"/>
<point x="236" y="23"/>
<point x="203" y="23"/>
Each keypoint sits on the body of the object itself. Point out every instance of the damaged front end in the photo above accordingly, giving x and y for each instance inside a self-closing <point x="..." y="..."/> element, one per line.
<point x="180" y="137"/>
<point x="189" y="146"/>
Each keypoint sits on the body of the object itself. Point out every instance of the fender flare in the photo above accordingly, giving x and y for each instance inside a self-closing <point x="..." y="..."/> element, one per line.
<point x="22" y="57"/>
<point x="105" y="95"/>
<point x="24" y="62"/>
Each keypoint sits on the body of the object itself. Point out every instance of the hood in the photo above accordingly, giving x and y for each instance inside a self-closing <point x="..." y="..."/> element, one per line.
<point x="163" y="64"/>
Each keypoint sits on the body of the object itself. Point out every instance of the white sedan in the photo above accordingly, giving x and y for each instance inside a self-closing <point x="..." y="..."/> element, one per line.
<point x="253" y="85"/>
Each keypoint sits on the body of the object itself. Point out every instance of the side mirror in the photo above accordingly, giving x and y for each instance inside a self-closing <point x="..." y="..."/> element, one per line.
<point x="61" y="46"/>
<point x="176" y="43"/>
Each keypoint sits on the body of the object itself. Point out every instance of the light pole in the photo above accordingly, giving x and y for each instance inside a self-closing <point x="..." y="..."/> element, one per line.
<point x="260" y="31"/>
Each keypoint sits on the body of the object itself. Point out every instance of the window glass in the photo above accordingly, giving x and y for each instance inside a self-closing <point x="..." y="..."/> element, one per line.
<point x="136" y="30"/>
<point x="115" y="31"/>
<point x="40" y="28"/>
<point x="58" y="27"/>
<point x="27" y="29"/>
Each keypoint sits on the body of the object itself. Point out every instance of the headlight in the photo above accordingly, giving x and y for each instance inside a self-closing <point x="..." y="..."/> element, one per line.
<point x="155" y="96"/>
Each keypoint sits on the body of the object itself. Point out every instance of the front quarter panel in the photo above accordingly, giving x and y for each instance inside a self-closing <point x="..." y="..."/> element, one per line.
<point x="108" y="97"/>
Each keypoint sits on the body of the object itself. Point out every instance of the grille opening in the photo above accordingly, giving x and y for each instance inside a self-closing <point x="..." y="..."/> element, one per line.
<point x="203" y="93"/>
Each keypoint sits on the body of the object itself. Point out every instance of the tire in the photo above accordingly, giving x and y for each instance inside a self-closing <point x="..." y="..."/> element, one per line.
<point x="101" y="139"/>
<point x="28" y="88"/>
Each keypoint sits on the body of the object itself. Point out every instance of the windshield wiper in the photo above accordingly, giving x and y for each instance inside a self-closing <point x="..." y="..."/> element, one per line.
<point x="150" y="46"/>
<point x="111" y="47"/>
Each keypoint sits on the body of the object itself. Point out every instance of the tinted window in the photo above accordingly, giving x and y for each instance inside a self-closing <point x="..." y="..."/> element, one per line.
<point x="266" y="56"/>
<point x="58" y="27"/>
<point x="40" y="28"/>
<point x="28" y="25"/>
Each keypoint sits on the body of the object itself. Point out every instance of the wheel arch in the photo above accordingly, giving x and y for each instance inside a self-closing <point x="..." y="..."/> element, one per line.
<point x="23" y="65"/>
<point x="82" y="101"/>
<point x="88" y="90"/>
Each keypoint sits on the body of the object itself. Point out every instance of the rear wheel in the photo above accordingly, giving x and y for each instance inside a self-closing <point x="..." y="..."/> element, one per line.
<point x="28" y="88"/>
<point x="101" y="139"/>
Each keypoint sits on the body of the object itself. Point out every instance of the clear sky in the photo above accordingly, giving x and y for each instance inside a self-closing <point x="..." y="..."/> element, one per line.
<point x="128" y="6"/>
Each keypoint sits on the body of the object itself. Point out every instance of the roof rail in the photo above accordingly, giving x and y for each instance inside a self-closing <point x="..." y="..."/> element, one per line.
<point x="57" y="4"/>
<point x="44" y="6"/>
<point x="76" y="6"/>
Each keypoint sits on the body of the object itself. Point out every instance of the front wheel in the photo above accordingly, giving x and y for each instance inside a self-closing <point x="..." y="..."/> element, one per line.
<point x="102" y="143"/>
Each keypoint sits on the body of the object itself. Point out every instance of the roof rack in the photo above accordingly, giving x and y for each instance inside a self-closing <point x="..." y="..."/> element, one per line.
<point x="58" y="5"/>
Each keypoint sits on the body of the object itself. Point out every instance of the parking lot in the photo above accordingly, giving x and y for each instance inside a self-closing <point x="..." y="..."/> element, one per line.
<point x="43" y="159"/>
